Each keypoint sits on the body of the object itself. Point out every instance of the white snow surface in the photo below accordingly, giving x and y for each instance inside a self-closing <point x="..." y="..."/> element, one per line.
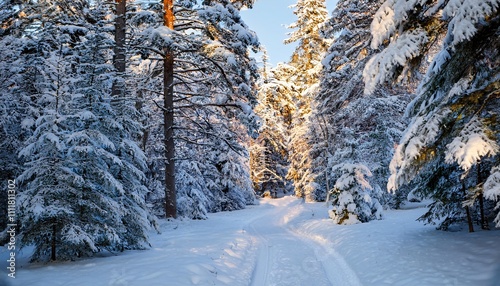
<point x="285" y="242"/>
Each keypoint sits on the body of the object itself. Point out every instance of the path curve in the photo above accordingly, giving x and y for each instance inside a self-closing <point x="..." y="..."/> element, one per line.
<point x="287" y="258"/>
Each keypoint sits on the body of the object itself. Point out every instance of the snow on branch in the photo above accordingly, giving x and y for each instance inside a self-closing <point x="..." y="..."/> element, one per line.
<point x="352" y="174"/>
<point x="164" y="36"/>
<point x="471" y="145"/>
<point x="420" y="134"/>
<point x="465" y="14"/>
<point x="382" y="66"/>
<point x="389" y="17"/>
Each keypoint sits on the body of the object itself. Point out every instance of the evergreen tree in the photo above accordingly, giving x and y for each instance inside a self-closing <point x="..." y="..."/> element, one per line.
<point x="82" y="189"/>
<point x="455" y="103"/>
<point x="213" y="85"/>
<point x="353" y="129"/>
<point x="353" y="197"/>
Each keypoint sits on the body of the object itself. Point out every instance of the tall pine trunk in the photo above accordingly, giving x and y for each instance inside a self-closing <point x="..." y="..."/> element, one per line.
<point x="168" y="115"/>
<point x="118" y="88"/>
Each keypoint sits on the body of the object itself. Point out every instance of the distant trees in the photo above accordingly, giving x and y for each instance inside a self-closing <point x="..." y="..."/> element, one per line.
<point x="306" y="60"/>
<point x="285" y="95"/>
<point x="270" y="151"/>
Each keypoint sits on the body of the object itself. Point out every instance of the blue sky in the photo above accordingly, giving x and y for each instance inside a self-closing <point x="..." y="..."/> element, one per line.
<point x="269" y="19"/>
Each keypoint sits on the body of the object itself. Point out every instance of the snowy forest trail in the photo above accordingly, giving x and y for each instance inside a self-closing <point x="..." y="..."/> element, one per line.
<point x="257" y="246"/>
<point x="288" y="258"/>
<point x="284" y="242"/>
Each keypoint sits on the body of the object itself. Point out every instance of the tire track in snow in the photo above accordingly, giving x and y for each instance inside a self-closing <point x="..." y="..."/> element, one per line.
<point x="261" y="270"/>
<point x="338" y="270"/>
<point x="289" y="258"/>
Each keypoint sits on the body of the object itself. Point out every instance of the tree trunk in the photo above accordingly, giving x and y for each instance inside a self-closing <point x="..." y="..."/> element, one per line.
<point x="484" y="222"/>
<point x="53" y="243"/>
<point x="326" y="137"/>
<point x="118" y="88"/>
<point x="469" y="219"/>
<point x="467" y="210"/>
<point x="168" y="115"/>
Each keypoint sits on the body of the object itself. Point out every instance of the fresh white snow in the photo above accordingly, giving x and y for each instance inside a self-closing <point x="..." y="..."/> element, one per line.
<point x="285" y="242"/>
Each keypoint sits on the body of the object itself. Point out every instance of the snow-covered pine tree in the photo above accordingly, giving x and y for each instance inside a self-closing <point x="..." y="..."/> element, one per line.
<point x="213" y="89"/>
<point x="492" y="190"/>
<point x="17" y="78"/>
<point x="350" y="126"/>
<point x="82" y="191"/>
<point x="354" y="199"/>
<point x="306" y="59"/>
<point x="456" y="102"/>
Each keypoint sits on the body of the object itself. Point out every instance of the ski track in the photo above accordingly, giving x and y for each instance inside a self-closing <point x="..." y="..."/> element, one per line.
<point x="264" y="248"/>
<point x="288" y="257"/>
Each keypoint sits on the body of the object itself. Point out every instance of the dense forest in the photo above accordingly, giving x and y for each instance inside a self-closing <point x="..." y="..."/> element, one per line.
<point x="118" y="113"/>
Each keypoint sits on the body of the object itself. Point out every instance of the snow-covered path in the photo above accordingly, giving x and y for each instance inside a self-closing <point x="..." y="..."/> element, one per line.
<point x="254" y="246"/>
<point x="284" y="242"/>
<point x="286" y="258"/>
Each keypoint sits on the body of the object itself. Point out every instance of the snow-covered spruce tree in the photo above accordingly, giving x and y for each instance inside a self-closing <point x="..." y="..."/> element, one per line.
<point x="116" y="118"/>
<point x="351" y="127"/>
<point x="492" y="190"/>
<point x="213" y="95"/>
<point x="233" y="188"/>
<point x="306" y="59"/>
<point x="454" y="123"/>
<point x="197" y="200"/>
<point x="36" y="92"/>
<point x="49" y="185"/>
<point x="22" y="80"/>
<point x="269" y="151"/>
<point x="17" y="77"/>
<point x="353" y="197"/>
<point x="81" y="193"/>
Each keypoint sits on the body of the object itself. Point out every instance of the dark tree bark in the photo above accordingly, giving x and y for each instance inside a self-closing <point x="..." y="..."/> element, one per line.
<point x="484" y="222"/>
<point x="53" y="243"/>
<point x="168" y="113"/>
<point x="467" y="210"/>
<point x="118" y="88"/>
